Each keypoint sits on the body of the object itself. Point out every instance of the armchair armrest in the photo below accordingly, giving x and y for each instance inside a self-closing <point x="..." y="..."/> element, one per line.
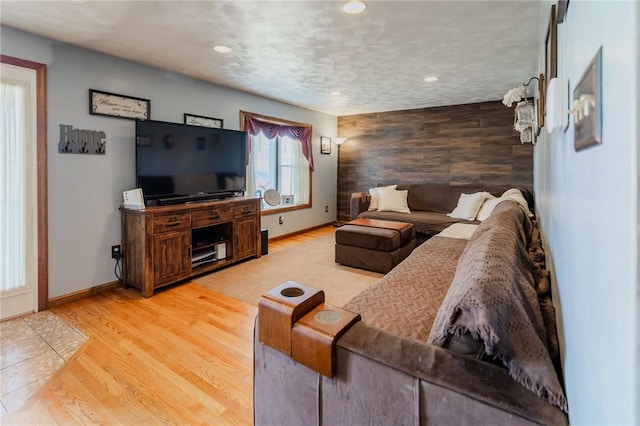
<point x="359" y="203"/>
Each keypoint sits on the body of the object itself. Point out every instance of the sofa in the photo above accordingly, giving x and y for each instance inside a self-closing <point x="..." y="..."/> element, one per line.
<point x="427" y="205"/>
<point x="460" y="332"/>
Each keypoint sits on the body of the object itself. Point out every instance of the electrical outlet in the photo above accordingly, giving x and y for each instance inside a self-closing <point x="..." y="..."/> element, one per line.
<point x="326" y="209"/>
<point x="115" y="252"/>
<point x="281" y="220"/>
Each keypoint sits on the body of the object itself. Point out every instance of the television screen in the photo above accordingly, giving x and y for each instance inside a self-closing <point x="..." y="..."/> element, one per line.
<point x="176" y="161"/>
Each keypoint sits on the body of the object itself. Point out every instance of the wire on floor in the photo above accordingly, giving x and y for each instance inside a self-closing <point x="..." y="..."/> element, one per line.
<point x="117" y="270"/>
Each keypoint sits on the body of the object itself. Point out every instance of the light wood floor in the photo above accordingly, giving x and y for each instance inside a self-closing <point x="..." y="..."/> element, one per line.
<point x="183" y="356"/>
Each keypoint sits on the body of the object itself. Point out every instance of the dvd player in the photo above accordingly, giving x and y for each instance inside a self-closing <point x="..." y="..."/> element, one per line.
<point x="204" y="256"/>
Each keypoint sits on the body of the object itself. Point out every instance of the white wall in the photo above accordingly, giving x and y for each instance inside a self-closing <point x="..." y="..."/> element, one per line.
<point x="588" y="207"/>
<point x="85" y="191"/>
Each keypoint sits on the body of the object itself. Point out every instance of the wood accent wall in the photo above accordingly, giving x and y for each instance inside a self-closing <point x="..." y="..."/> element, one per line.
<point x="460" y="144"/>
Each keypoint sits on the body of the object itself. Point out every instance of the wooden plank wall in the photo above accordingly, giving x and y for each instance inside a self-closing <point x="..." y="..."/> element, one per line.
<point x="461" y="144"/>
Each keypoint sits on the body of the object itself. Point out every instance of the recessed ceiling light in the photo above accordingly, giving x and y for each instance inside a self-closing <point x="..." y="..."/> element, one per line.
<point x="336" y="93"/>
<point x="353" y="7"/>
<point x="430" y="79"/>
<point x="222" y="49"/>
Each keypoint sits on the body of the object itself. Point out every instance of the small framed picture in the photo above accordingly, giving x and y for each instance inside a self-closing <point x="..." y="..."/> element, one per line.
<point x="325" y="145"/>
<point x="199" y="120"/>
<point x="121" y="106"/>
<point x="587" y="106"/>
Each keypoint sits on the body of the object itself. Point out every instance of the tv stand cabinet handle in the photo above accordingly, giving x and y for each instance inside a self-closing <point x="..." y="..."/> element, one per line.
<point x="173" y="224"/>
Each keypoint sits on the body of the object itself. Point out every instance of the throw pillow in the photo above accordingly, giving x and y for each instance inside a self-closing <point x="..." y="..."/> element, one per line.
<point x="513" y="194"/>
<point x="373" y="204"/>
<point x="469" y="205"/>
<point x="516" y="195"/>
<point x="487" y="208"/>
<point x="392" y="200"/>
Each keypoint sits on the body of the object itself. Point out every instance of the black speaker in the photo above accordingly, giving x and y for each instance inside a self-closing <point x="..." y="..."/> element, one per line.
<point x="264" y="238"/>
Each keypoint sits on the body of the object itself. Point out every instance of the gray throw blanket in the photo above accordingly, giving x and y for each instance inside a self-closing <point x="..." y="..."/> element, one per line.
<point x="493" y="298"/>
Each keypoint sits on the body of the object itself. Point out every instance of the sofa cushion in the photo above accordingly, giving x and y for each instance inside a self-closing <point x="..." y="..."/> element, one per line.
<point x="405" y="301"/>
<point x="407" y="230"/>
<point x="374" y="237"/>
<point x="441" y="198"/>
<point x="372" y="260"/>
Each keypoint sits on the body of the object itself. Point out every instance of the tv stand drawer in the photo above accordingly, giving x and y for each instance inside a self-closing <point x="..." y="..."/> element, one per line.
<point x="171" y="222"/>
<point x="245" y="210"/>
<point x="206" y="217"/>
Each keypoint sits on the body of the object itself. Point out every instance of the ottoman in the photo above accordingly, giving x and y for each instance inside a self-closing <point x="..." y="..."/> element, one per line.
<point x="374" y="245"/>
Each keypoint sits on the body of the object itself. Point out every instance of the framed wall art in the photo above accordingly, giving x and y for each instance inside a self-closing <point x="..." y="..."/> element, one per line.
<point x="587" y="106"/>
<point x="200" y="120"/>
<point x="561" y="10"/>
<point x="551" y="46"/>
<point x="550" y="64"/>
<point x="325" y="145"/>
<point x="121" y="106"/>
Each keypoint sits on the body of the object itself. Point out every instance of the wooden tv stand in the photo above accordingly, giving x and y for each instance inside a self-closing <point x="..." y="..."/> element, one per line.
<point x="162" y="245"/>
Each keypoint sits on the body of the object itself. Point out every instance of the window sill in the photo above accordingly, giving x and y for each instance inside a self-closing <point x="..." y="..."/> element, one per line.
<point x="279" y="209"/>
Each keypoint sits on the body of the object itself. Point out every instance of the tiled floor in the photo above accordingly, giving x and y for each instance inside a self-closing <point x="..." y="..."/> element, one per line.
<point x="32" y="348"/>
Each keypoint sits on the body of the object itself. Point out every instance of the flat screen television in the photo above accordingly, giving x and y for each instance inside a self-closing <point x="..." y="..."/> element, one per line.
<point x="178" y="163"/>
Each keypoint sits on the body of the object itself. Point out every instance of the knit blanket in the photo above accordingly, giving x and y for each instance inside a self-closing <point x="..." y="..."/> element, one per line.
<point x="493" y="299"/>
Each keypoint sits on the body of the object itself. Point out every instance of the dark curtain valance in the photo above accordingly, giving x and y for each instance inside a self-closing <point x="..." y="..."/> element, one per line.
<point x="254" y="126"/>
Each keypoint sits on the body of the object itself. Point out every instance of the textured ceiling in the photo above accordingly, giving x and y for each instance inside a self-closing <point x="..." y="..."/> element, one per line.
<point x="300" y="51"/>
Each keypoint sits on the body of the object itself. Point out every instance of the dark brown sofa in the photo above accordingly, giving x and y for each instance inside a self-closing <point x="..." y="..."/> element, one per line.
<point x="388" y="373"/>
<point x="429" y="205"/>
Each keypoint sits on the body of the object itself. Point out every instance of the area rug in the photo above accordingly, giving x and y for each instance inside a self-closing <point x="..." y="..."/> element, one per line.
<point x="310" y="263"/>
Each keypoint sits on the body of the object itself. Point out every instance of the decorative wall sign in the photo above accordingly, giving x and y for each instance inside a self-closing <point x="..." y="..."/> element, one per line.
<point x="114" y="105"/>
<point x="80" y="141"/>
<point x="325" y="145"/>
<point x="199" y="120"/>
<point x="587" y="106"/>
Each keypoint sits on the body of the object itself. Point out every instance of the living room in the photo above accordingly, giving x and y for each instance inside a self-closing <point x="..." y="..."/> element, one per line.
<point x="595" y="268"/>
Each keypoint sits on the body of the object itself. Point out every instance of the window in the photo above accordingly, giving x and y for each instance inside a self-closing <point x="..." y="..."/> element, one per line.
<point x="280" y="158"/>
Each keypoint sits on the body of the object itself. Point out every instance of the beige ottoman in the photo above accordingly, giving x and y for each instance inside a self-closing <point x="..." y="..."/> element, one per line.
<point x="374" y="245"/>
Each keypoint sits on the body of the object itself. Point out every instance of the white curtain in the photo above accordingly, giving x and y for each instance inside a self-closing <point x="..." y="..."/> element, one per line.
<point x="300" y="175"/>
<point x="12" y="188"/>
